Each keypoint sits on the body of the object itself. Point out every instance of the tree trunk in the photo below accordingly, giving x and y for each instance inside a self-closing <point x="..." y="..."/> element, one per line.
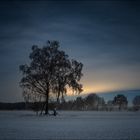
<point x="42" y="108"/>
<point x="47" y="105"/>
<point x="58" y="101"/>
<point x="47" y="101"/>
<point x="58" y="97"/>
<point x="119" y="107"/>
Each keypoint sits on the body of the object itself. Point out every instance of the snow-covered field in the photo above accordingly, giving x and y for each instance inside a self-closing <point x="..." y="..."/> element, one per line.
<point x="69" y="125"/>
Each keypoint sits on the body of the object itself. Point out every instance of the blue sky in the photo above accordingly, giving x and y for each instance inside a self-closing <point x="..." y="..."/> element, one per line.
<point x="103" y="34"/>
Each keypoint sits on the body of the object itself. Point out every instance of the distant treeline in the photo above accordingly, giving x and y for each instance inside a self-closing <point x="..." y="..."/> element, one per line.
<point x="23" y="106"/>
<point x="90" y="102"/>
<point x="13" y="106"/>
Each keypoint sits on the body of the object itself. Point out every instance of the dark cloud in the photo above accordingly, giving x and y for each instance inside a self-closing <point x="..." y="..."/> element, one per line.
<point x="103" y="34"/>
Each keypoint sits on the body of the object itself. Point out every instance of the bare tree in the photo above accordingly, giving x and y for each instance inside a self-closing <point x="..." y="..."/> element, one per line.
<point x="50" y="72"/>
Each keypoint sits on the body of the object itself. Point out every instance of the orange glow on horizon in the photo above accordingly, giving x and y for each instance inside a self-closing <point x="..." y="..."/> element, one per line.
<point x="100" y="87"/>
<point x="97" y="88"/>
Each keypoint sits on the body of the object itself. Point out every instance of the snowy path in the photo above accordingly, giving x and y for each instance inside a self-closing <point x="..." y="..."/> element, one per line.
<point x="69" y="125"/>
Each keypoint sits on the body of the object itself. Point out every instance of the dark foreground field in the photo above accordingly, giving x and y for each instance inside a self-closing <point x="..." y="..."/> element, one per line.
<point x="69" y="125"/>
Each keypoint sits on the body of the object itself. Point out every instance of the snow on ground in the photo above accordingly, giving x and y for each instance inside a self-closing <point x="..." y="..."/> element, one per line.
<point x="77" y="125"/>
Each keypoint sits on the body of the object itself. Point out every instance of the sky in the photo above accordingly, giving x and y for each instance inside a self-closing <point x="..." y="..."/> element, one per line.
<point x="102" y="34"/>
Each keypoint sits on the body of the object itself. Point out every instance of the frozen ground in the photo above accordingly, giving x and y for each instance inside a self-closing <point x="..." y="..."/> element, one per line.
<point x="23" y="125"/>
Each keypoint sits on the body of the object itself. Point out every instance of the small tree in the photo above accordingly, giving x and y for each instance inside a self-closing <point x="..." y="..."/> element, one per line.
<point x="136" y="103"/>
<point x="92" y="101"/>
<point x="50" y="72"/>
<point x="120" y="100"/>
<point x="109" y="106"/>
<point x="79" y="102"/>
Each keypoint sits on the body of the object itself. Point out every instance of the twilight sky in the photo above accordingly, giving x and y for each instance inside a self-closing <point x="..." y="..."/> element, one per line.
<point x="103" y="34"/>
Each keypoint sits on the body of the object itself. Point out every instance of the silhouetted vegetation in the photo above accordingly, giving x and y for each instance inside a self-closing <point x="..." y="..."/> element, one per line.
<point x="49" y="74"/>
<point x="13" y="106"/>
<point x="90" y="102"/>
<point x="136" y="103"/>
<point x="121" y="101"/>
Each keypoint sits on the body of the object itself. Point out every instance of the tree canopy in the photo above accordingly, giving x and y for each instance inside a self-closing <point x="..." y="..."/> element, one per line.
<point x="136" y="102"/>
<point x="50" y="73"/>
<point x="120" y="100"/>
